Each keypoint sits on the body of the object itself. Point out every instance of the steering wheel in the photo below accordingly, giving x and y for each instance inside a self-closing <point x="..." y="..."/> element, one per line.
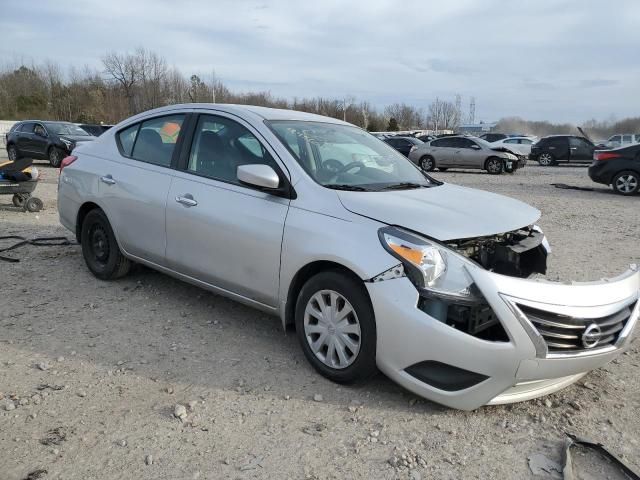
<point x="336" y="168"/>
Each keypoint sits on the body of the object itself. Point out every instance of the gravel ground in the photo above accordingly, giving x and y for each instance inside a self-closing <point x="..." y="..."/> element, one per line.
<point x="91" y="372"/>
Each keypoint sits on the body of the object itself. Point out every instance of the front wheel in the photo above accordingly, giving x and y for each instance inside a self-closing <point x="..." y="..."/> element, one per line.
<point x="427" y="163"/>
<point x="55" y="156"/>
<point x="626" y="183"/>
<point x="336" y="327"/>
<point x="494" y="165"/>
<point x="100" y="248"/>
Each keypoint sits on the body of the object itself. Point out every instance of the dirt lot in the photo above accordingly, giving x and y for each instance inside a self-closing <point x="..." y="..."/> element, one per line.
<point x="93" y="371"/>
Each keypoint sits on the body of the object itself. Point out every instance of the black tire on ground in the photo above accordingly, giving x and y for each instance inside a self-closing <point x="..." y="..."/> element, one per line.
<point x="427" y="163"/>
<point x="364" y="366"/>
<point x="547" y="159"/>
<point x="55" y="156"/>
<point x="494" y="165"/>
<point x="626" y="183"/>
<point x="33" y="204"/>
<point x="100" y="248"/>
<point x="12" y="153"/>
<point x="19" y="199"/>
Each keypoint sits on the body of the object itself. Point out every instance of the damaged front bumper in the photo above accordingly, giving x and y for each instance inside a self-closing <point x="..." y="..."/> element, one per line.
<point x="556" y="333"/>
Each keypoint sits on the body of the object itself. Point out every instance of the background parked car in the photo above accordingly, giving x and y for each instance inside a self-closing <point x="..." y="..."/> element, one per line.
<point x="462" y="152"/>
<point x="44" y="140"/>
<point x="493" y="137"/>
<point x="519" y="145"/>
<point x="622" y="140"/>
<point x="403" y="144"/>
<point x="619" y="168"/>
<point x="94" y="129"/>
<point x="426" y="137"/>
<point x="567" y="148"/>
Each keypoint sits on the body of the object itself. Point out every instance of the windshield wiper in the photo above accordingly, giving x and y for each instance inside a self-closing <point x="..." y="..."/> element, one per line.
<point x="404" y="186"/>
<point x="344" y="186"/>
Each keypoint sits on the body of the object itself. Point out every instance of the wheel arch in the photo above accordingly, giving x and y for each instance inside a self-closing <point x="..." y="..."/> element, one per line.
<point x="302" y="276"/>
<point x="84" y="209"/>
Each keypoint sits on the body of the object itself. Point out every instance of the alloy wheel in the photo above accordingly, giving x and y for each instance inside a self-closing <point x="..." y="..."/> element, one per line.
<point x="55" y="157"/>
<point x="545" y="159"/>
<point x="494" y="165"/>
<point x="332" y="329"/>
<point x="426" y="164"/>
<point x="12" y="153"/>
<point x="626" y="183"/>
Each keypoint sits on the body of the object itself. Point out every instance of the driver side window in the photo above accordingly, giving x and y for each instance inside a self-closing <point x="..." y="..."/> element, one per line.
<point x="39" y="130"/>
<point x="221" y="145"/>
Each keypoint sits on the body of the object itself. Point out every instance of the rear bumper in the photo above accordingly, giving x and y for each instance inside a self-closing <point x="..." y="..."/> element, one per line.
<point x="600" y="172"/>
<point x="516" y="370"/>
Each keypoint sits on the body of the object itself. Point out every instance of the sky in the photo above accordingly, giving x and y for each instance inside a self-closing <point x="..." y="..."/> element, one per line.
<point x="557" y="60"/>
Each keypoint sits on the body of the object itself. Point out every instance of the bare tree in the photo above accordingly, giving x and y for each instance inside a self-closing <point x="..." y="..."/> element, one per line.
<point x="123" y="69"/>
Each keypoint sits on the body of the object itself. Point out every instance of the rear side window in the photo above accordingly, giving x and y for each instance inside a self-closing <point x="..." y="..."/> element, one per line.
<point x="442" y="142"/>
<point x="127" y="137"/>
<point x="152" y="141"/>
<point x="27" y="127"/>
<point x="627" y="138"/>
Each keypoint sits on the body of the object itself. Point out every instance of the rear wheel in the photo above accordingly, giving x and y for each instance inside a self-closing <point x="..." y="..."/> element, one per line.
<point x="12" y="153"/>
<point x="626" y="183"/>
<point x="494" y="165"/>
<point x="335" y="325"/>
<point x="546" y="159"/>
<point x="55" y="156"/>
<point x="427" y="163"/>
<point x="100" y="248"/>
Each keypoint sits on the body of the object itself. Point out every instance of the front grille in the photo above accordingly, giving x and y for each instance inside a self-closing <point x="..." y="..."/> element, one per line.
<point x="569" y="334"/>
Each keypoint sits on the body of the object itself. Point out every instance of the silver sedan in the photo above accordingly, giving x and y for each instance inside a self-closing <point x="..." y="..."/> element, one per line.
<point x="463" y="152"/>
<point x="375" y="264"/>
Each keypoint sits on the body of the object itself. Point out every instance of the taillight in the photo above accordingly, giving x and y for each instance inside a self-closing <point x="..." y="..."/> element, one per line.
<point x="605" y="155"/>
<point x="66" y="161"/>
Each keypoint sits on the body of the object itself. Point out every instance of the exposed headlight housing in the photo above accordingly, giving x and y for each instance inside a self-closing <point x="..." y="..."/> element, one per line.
<point x="68" y="143"/>
<point x="435" y="270"/>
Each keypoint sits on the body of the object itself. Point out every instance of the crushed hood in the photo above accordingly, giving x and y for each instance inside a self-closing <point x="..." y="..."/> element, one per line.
<point x="445" y="212"/>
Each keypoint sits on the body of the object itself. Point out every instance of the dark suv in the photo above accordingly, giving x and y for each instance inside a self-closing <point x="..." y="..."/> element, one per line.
<point x="562" y="148"/>
<point x="44" y="140"/>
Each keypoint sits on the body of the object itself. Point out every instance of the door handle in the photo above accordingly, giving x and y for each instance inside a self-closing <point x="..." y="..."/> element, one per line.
<point x="187" y="200"/>
<point x="108" y="179"/>
<point x="574" y="148"/>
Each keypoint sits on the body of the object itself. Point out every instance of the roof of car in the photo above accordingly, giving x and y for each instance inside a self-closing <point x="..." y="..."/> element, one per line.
<point x="263" y="112"/>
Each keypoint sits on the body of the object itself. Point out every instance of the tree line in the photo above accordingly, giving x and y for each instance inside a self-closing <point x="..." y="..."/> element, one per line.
<point x="132" y="82"/>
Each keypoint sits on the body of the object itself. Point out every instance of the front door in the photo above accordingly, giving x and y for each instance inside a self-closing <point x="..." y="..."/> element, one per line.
<point x="40" y="141"/>
<point x="220" y="231"/>
<point x="580" y="149"/>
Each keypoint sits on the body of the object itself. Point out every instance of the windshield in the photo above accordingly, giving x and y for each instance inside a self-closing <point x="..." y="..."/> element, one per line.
<point x="66" y="129"/>
<point x="347" y="158"/>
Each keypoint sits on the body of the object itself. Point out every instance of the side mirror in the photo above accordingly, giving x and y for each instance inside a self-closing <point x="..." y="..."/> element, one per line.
<point x="258" y="175"/>
<point x="475" y="147"/>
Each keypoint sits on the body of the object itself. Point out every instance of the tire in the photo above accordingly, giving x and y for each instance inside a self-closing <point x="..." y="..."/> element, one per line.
<point x="546" y="159"/>
<point x="33" y="204"/>
<point x="12" y="153"/>
<point x="55" y="156"/>
<point x="100" y="248"/>
<point x="358" y="360"/>
<point x="494" y="165"/>
<point x="626" y="183"/>
<point x="427" y="163"/>
<point x="19" y="199"/>
<point x="442" y="169"/>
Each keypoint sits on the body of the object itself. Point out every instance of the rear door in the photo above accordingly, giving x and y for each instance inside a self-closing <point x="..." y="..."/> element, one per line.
<point x="24" y="138"/>
<point x="558" y="147"/>
<point x="220" y="231"/>
<point x="135" y="184"/>
<point x="441" y="151"/>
